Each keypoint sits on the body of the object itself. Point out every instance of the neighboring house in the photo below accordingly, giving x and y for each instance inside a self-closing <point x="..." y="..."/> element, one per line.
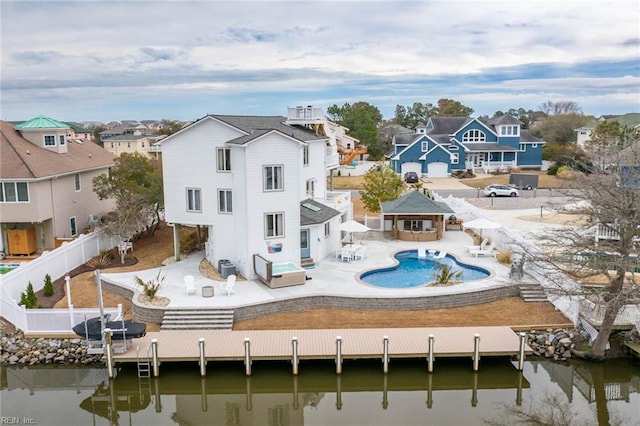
<point x="142" y="144"/>
<point x="447" y="144"/>
<point x="349" y="148"/>
<point x="78" y="132"/>
<point x="584" y="133"/>
<point x="46" y="188"/>
<point x="127" y="128"/>
<point x="258" y="185"/>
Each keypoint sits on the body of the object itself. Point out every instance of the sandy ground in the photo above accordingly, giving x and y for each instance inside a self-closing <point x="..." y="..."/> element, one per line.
<point x="151" y="252"/>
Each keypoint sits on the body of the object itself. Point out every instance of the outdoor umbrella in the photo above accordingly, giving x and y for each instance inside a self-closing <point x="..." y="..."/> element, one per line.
<point x="481" y="223"/>
<point x="352" y="226"/>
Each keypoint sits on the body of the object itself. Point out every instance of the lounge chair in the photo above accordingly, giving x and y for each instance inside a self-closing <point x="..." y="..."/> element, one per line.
<point x="488" y="250"/>
<point x="440" y="254"/>
<point x="189" y="284"/>
<point x="482" y="245"/>
<point x="229" y="284"/>
<point x="422" y="252"/>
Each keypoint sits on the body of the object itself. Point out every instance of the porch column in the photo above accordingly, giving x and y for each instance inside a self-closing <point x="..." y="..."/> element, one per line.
<point x="176" y="241"/>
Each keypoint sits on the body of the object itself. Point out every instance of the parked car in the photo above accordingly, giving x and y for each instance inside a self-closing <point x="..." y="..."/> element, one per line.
<point x="495" y="190"/>
<point x="411" y="177"/>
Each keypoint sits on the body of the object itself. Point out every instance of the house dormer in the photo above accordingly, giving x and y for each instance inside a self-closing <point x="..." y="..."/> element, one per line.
<point x="506" y="126"/>
<point x="421" y="129"/>
<point x="46" y="133"/>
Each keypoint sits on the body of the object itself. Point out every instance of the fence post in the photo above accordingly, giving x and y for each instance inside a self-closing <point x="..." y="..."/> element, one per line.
<point x="67" y="281"/>
<point x="523" y="339"/>
<point x="71" y="316"/>
<point x="107" y="339"/>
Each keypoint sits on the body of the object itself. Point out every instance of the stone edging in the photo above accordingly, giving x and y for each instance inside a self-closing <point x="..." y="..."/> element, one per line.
<point x="156" y="313"/>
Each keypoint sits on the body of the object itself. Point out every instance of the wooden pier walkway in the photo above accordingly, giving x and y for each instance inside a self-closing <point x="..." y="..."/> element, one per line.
<point x="225" y="345"/>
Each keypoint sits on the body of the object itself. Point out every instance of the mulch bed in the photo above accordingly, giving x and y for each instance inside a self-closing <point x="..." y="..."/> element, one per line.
<point x="59" y="284"/>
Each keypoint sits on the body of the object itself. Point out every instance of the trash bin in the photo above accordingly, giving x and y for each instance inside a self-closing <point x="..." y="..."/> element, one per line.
<point x="221" y="262"/>
<point x="227" y="269"/>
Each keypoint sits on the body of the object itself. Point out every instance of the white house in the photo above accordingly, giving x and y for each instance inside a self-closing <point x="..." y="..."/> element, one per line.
<point x="259" y="186"/>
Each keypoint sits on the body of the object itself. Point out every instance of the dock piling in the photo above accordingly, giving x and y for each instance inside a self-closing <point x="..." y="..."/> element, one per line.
<point x="247" y="356"/>
<point x="294" y="360"/>
<point x="154" y="359"/>
<point x="338" y="355"/>
<point x="385" y="354"/>
<point x="430" y="354"/>
<point x="523" y="339"/>
<point x="203" y="361"/>
<point x="476" y="351"/>
<point x="109" y="348"/>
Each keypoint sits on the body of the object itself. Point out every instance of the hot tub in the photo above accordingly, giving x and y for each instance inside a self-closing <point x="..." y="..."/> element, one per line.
<point x="277" y="275"/>
<point x="286" y="274"/>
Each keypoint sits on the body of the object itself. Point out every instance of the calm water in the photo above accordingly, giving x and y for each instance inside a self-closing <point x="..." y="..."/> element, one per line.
<point x="413" y="271"/>
<point x="607" y="393"/>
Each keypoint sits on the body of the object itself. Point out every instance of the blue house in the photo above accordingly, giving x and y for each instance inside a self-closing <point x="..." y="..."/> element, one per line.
<point x="447" y="144"/>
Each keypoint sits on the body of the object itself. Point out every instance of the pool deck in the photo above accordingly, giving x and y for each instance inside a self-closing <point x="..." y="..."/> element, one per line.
<point x="330" y="277"/>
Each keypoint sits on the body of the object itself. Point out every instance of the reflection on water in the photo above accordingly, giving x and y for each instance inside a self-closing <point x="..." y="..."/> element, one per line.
<point x="408" y="395"/>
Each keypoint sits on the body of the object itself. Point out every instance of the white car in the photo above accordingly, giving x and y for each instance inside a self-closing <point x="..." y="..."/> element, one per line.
<point x="495" y="190"/>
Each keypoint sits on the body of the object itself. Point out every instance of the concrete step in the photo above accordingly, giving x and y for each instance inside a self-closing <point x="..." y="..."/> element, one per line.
<point x="307" y="263"/>
<point x="198" y="319"/>
<point x="533" y="293"/>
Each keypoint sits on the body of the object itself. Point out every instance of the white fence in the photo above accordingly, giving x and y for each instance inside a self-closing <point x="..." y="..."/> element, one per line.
<point x="56" y="263"/>
<point x="559" y="286"/>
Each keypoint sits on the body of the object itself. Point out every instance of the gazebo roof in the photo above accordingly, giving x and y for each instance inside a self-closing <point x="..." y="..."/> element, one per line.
<point x="414" y="202"/>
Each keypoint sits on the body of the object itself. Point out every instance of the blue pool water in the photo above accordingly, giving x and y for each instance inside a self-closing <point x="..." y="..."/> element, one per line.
<point x="412" y="271"/>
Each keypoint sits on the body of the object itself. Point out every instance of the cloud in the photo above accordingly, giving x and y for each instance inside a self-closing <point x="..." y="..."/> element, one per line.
<point x="179" y="54"/>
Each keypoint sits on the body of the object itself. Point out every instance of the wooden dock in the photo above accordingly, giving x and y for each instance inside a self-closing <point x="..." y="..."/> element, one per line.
<point x="339" y="344"/>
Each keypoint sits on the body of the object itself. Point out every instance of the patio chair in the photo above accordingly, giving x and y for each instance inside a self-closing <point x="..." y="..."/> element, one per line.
<point x="229" y="284"/>
<point x="422" y="252"/>
<point x="440" y="254"/>
<point x="482" y="245"/>
<point x="488" y="250"/>
<point x="189" y="284"/>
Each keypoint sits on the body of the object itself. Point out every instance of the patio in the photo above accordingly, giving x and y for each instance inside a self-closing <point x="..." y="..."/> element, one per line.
<point x="330" y="277"/>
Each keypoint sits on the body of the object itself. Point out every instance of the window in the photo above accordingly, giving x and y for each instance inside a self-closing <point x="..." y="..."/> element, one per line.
<point x="111" y="144"/>
<point x="327" y="229"/>
<point x="142" y="143"/>
<point x="128" y="144"/>
<point x="509" y="130"/>
<point x="61" y="139"/>
<point x="14" y="192"/>
<point x="310" y="186"/>
<point x="272" y="178"/>
<point x="224" y="159"/>
<point x="193" y="200"/>
<point x="474" y="136"/>
<point x="305" y="155"/>
<point x="73" y="226"/>
<point x="534" y="145"/>
<point x="455" y="158"/>
<point x="49" y="140"/>
<point x="453" y="147"/>
<point x="76" y="178"/>
<point x="225" y="201"/>
<point x="425" y="146"/>
<point x="273" y="225"/>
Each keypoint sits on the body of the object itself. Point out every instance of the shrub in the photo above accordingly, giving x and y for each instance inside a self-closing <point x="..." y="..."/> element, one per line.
<point x="28" y="298"/>
<point x="446" y="276"/>
<point x="504" y="257"/>
<point x="553" y="170"/>
<point x="189" y="242"/>
<point x="48" y="286"/>
<point x="150" y="288"/>
<point x="101" y="260"/>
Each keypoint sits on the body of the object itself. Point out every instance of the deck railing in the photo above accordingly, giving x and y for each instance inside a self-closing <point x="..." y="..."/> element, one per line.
<point x="594" y="313"/>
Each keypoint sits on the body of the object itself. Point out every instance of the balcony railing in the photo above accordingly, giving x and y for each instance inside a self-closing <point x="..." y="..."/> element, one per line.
<point x="332" y="158"/>
<point x="305" y="115"/>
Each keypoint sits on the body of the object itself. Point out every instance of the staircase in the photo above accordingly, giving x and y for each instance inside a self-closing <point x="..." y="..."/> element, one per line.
<point x="533" y="293"/>
<point x="197" y="319"/>
<point x="307" y="263"/>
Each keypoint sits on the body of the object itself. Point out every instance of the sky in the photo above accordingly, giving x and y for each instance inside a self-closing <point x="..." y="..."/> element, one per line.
<point x="137" y="60"/>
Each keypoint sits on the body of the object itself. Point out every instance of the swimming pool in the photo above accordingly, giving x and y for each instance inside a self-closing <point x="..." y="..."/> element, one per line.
<point x="7" y="267"/>
<point x="412" y="271"/>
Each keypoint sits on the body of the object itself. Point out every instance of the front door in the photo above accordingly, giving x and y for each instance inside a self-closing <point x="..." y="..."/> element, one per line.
<point x="305" y="249"/>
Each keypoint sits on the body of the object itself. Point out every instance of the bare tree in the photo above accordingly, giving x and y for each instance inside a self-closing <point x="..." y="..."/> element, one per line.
<point x="560" y="107"/>
<point x="611" y="204"/>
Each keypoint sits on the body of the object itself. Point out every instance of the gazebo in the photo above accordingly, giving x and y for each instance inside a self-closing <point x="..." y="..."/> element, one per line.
<point x="415" y="217"/>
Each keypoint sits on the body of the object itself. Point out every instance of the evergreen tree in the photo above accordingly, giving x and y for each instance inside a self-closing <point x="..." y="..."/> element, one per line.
<point x="48" y="286"/>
